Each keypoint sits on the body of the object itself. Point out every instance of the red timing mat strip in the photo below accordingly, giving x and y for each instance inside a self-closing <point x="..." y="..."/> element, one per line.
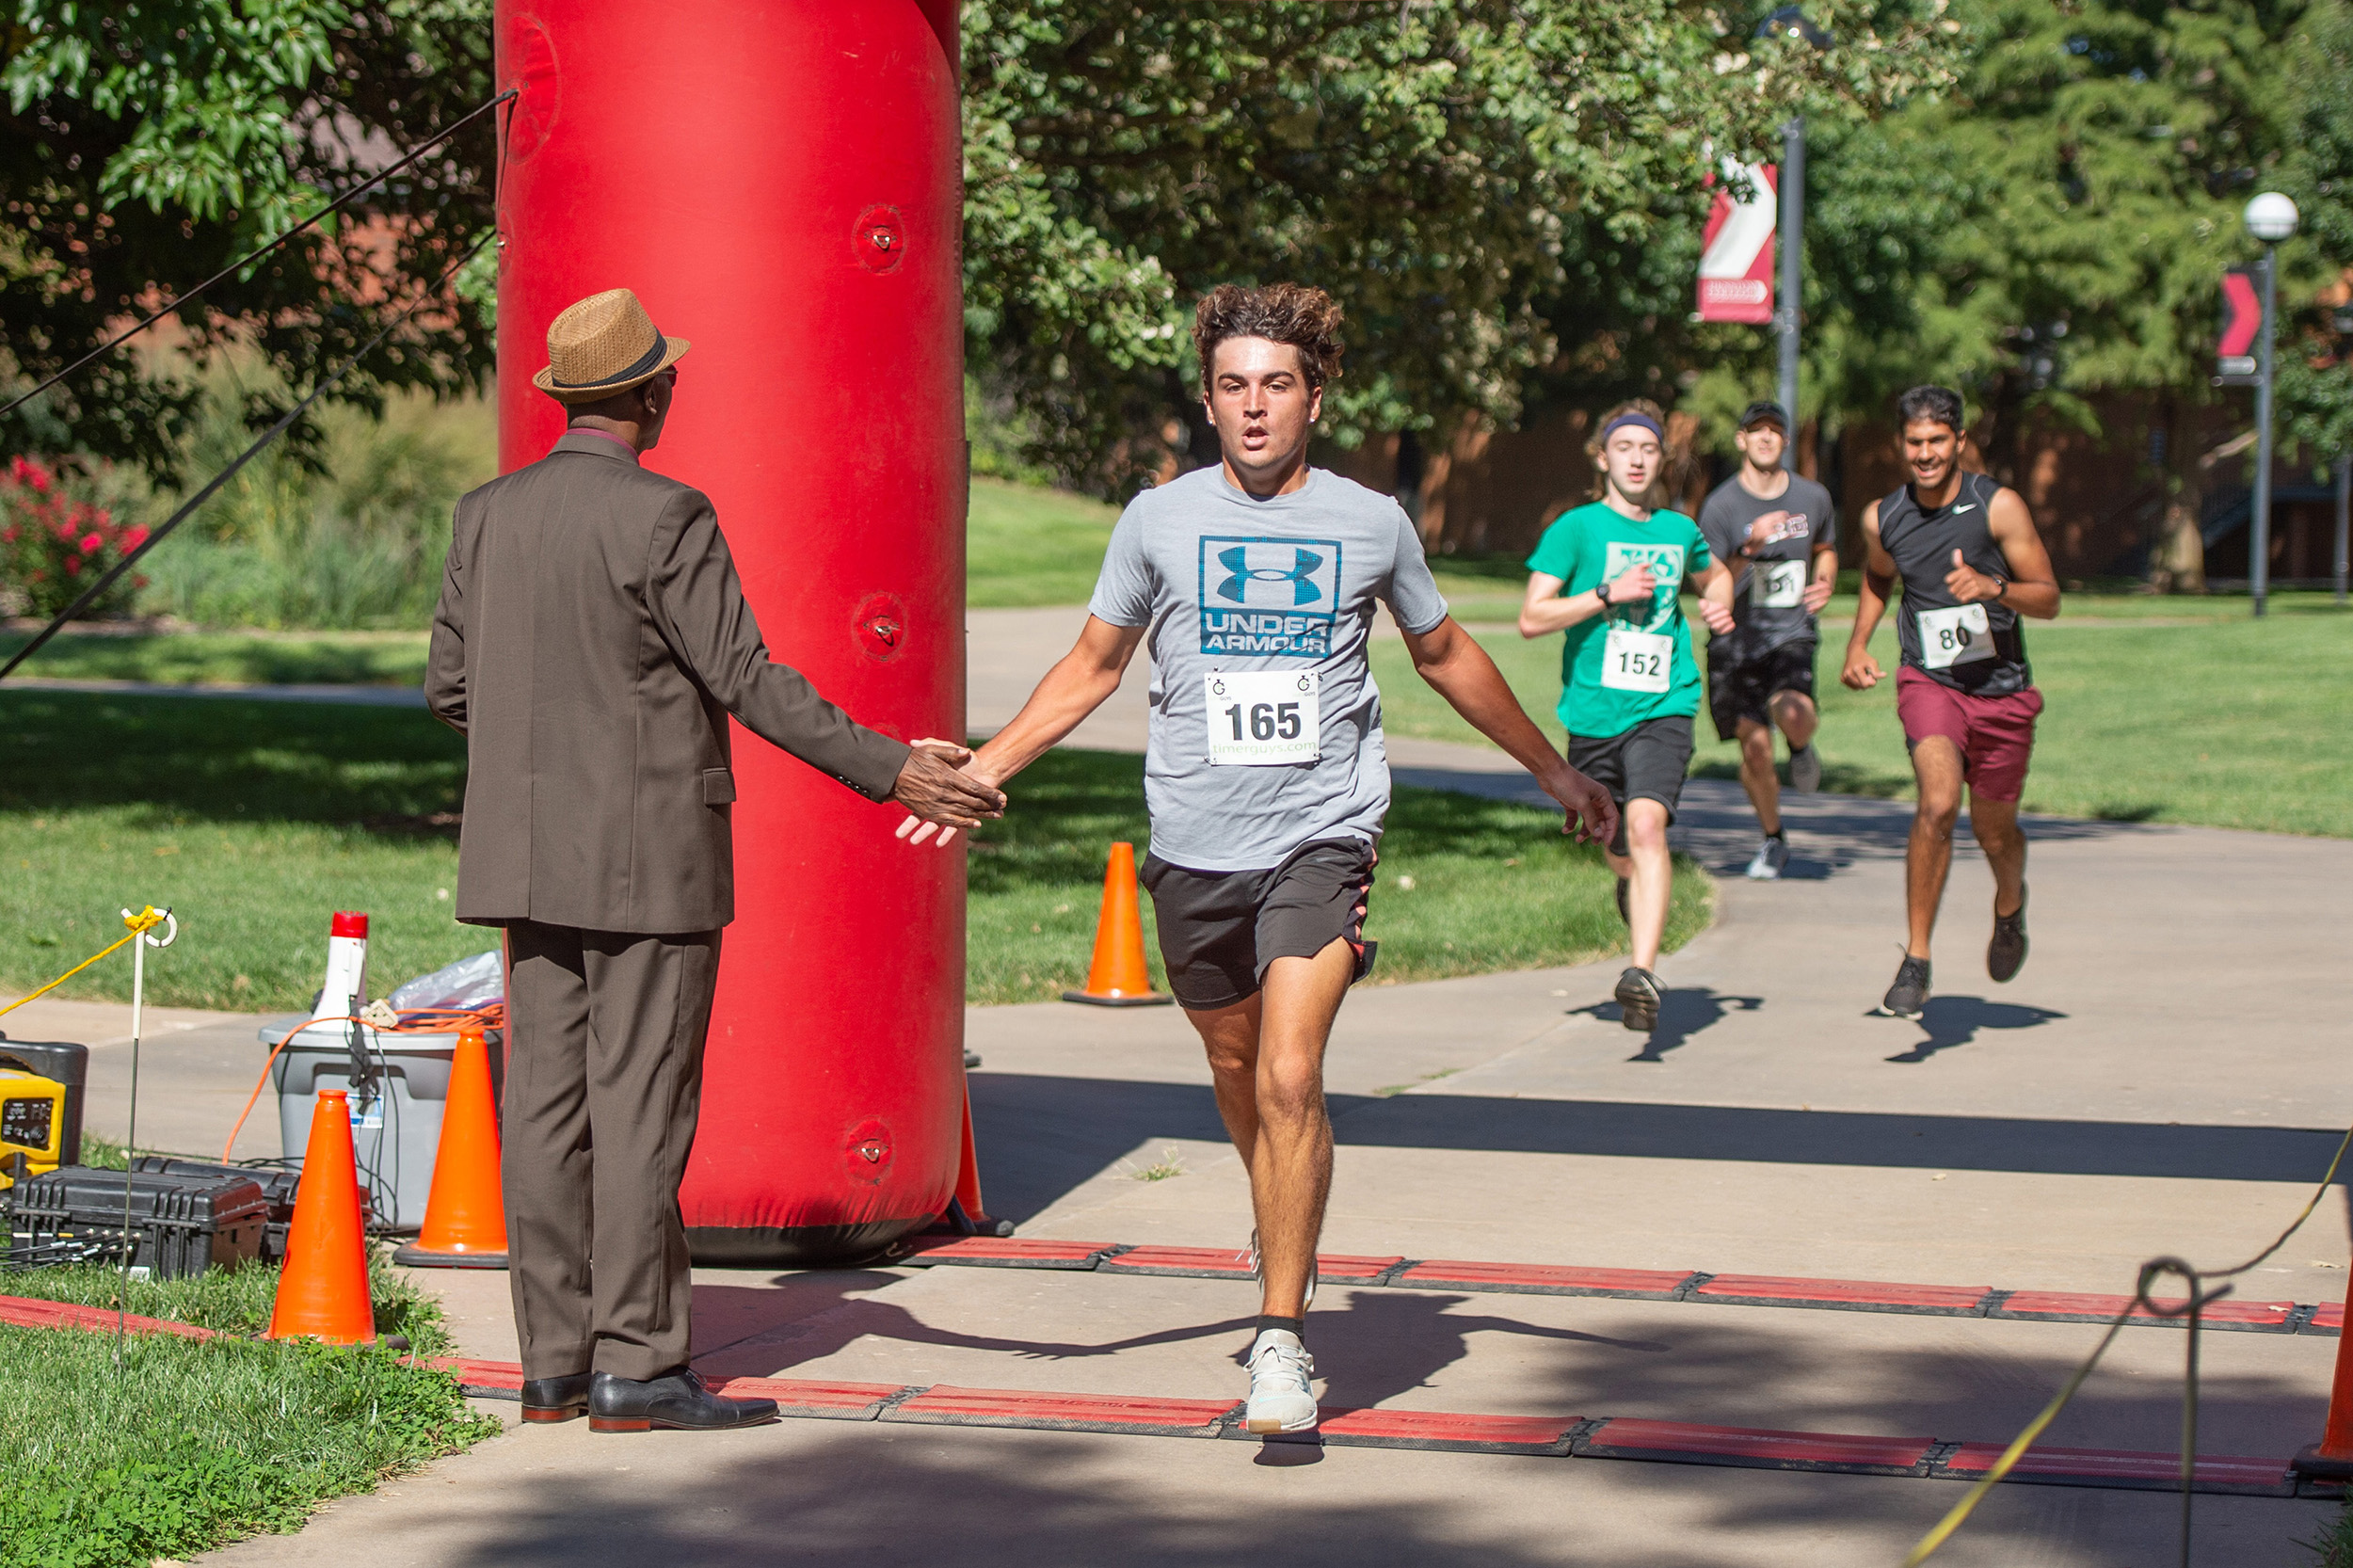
<point x="1661" y="1284"/>
<point x="1603" y="1437"/>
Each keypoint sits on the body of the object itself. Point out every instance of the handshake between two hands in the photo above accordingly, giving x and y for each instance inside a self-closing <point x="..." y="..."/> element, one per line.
<point x="943" y="790"/>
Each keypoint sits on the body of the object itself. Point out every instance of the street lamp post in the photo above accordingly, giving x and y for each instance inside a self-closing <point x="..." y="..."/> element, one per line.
<point x="2270" y="217"/>
<point x="1790" y="22"/>
<point x="1792" y="195"/>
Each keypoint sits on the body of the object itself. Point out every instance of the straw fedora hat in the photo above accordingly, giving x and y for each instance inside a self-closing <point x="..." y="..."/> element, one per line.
<point x="603" y="344"/>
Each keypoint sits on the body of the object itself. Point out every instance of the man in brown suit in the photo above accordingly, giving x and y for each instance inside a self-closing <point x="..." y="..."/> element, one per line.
<point x="591" y="640"/>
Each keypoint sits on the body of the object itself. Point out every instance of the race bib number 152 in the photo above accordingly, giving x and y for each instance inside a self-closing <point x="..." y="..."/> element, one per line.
<point x="1262" y="718"/>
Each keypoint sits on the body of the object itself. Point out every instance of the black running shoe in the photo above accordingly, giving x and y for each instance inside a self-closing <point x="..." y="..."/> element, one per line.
<point x="1911" y="991"/>
<point x="1638" y="996"/>
<point x="1621" y="914"/>
<point x="2007" y="953"/>
<point x="1805" y="769"/>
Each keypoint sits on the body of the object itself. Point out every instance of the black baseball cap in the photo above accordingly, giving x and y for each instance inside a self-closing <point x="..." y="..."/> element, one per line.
<point x="1763" y="409"/>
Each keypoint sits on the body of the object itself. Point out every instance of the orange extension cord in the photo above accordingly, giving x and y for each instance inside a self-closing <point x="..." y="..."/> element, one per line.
<point x="422" y="1020"/>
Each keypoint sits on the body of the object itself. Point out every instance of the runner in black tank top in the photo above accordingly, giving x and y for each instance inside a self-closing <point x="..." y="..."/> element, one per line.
<point x="1922" y="543"/>
<point x="1972" y="564"/>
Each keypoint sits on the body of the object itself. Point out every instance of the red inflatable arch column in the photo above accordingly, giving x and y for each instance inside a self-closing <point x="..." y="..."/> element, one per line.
<point x="781" y="185"/>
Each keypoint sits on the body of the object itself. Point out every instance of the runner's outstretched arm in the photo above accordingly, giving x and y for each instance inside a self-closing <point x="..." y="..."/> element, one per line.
<point x="1460" y="670"/>
<point x="1079" y="682"/>
<point x="1862" y="671"/>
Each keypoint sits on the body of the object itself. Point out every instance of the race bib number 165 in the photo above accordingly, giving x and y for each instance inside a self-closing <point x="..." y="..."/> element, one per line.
<point x="1262" y="718"/>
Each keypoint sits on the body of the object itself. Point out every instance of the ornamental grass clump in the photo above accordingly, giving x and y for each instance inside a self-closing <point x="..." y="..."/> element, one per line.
<point x="55" y="544"/>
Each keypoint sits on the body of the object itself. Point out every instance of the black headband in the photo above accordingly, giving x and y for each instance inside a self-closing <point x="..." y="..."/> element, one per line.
<point x="1642" y="418"/>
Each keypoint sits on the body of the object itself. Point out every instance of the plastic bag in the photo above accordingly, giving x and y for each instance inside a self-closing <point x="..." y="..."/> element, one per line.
<point x="469" y="984"/>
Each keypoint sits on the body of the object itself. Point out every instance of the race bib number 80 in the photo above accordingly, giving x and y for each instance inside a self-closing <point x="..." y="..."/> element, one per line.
<point x="1959" y="636"/>
<point x="1637" y="661"/>
<point x="1263" y="718"/>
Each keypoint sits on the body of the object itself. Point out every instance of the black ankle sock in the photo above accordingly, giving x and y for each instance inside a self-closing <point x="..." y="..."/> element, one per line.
<point x="1297" y="1325"/>
<point x="1778" y="833"/>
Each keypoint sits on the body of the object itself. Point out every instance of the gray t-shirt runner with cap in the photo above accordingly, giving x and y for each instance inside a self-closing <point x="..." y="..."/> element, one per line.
<point x="1259" y="614"/>
<point x="1768" y="596"/>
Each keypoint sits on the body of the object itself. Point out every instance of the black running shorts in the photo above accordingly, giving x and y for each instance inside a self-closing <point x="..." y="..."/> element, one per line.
<point x="1219" y="930"/>
<point x="1646" y="762"/>
<point x="1740" y="688"/>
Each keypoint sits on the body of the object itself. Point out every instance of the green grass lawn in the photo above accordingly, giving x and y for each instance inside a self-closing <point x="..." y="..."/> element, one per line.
<point x="1027" y="546"/>
<point x="1465" y="885"/>
<point x="256" y="820"/>
<point x="228" y="658"/>
<point x="189" y="1444"/>
<point x="2225" y="720"/>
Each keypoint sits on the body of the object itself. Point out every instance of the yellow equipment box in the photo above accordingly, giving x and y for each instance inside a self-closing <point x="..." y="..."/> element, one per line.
<point x="41" y="1106"/>
<point x="32" y="1125"/>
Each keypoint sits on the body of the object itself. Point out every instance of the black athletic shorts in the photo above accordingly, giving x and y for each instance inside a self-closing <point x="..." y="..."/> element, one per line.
<point x="1219" y="930"/>
<point x="1739" y="688"/>
<point x="1646" y="762"/>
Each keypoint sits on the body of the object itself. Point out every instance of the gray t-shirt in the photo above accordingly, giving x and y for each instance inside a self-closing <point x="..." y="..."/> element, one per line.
<point x="1765" y="608"/>
<point x="1270" y="592"/>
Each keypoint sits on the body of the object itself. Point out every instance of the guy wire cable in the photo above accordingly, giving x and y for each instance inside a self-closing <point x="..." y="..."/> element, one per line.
<point x="2192" y="1310"/>
<point x="108" y="578"/>
<point x="252" y="256"/>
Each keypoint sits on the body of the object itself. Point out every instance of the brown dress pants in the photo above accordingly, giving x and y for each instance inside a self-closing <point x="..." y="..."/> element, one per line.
<point x="604" y="1082"/>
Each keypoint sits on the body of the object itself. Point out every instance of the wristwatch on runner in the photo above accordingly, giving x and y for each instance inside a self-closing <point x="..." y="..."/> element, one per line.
<point x="2001" y="585"/>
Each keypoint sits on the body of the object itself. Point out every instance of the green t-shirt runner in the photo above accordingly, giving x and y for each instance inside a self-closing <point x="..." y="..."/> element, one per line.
<point x="1621" y="668"/>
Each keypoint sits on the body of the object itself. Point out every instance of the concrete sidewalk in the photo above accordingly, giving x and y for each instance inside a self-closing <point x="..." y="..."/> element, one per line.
<point x="2165" y="1077"/>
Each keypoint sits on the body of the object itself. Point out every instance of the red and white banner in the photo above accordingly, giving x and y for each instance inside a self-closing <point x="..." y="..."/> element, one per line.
<point x="1737" y="267"/>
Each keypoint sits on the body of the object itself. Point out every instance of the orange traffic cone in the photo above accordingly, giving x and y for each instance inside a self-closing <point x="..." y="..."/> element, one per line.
<point x="464" y="1219"/>
<point x="322" y="1289"/>
<point x="1118" y="977"/>
<point x="2332" y="1459"/>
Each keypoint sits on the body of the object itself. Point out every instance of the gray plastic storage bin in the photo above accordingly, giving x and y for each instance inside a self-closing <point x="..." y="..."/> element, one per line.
<point x="395" y="1122"/>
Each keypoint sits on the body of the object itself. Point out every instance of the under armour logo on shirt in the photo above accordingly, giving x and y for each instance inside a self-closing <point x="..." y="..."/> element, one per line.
<point x="1301" y="575"/>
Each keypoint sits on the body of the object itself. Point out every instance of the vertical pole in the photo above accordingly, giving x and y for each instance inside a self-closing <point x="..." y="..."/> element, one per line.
<point x="2344" y="506"/>
<point x="131" y="1133"/>
<point x="1792" y="198"/>
<point x="2259" y="564"/>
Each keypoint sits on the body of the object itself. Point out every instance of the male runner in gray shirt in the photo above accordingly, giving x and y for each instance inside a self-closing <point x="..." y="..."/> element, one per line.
<point x="1779" y="535"/>
<point x="1257" y="582"/>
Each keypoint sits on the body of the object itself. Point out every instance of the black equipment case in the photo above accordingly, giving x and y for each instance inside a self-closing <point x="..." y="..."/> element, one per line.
<point x="181" y="1225"/>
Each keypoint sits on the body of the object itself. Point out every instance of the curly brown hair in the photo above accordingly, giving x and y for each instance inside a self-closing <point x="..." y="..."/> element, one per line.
<point x="1307" y="318"/>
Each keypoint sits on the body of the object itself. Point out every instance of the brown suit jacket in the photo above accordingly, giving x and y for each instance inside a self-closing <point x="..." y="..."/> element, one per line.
<point x="591" y="640"/>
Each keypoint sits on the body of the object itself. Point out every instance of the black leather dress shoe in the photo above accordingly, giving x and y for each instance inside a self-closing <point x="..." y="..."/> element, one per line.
<point x="556" y="1399"/>
<point x="678" y="1399"/>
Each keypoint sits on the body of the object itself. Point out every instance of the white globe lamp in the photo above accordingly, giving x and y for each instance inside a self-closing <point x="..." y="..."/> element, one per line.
<point x="2271" y="218"/>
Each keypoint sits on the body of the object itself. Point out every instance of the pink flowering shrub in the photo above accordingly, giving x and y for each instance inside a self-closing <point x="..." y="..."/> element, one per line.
<point x="54" y="546"/>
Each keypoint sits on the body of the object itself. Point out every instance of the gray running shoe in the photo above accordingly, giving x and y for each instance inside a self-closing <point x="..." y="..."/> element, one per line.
<point x="1806" y="768"/>
<point x="2007" y="953"/>
<point x="1637" y="997"/>
<point x="1622" y="912"/>
<point x="1910" y="994"/>
<point x="1771" y="856"/>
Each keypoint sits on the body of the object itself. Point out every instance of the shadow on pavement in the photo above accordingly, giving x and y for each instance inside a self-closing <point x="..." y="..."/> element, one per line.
<point x="888" y="1494"/>
<point x="1042" y="1137"/>
<point x="1950" y="1022"/>
<point x="1682" y="1012"/>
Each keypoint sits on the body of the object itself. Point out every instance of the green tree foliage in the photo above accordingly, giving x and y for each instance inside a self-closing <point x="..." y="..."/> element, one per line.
<point x="2055" y="228"/>
<point x="1483" y="182"/>
<point x="2317" y="369"/>
<point x="147" y="146"/>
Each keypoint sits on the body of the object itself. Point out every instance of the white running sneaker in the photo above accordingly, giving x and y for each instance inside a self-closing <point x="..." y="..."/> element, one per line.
<point x="1258" y="1274"/>
<point x="1771" y="856"/>
<point x="1280" y="1399"/>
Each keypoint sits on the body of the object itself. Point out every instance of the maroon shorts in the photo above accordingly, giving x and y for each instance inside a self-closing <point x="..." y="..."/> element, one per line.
<point x="1995" y="734"/>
